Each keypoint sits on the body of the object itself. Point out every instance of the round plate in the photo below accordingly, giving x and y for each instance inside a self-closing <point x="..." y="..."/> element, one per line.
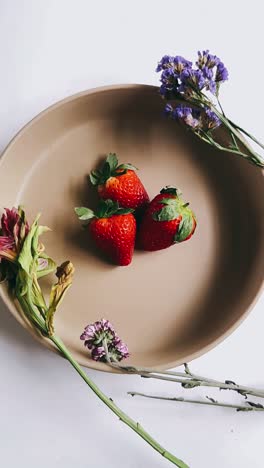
<point x="168" y="306"/>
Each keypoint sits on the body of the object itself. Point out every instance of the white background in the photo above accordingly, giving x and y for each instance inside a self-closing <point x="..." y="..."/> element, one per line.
<point x="48" y="417"/>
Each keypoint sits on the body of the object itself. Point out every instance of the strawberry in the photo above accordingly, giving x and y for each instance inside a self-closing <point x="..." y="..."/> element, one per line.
<point x="167" y="220"/>
<point x="113" y="230"/>
<point x="120" y="183"/>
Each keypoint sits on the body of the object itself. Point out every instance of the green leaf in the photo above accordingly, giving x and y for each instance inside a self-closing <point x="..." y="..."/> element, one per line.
<point x="45" y="265"/>
<point x="25" y="257"/>
<point x="83" y="213"/>
<point x="112" y="161"/>
<point x="170" y="190"/>
<point x="37" y="295"/>
<point x="127" y="167"/>
<point x="107" y="208"/>
<point x="167" y="213"/>
<point x="185" y="227"/>
<point x="123" y="211"/>
<point x="106" y="172"/>
<point x="95" y="177"/>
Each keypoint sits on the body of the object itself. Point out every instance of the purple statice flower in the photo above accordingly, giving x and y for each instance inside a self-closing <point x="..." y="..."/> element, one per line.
<point x="210" y="121"/>
<point x="191" y="81"/>
<point x="221" y="73"/>
<point x="101" y="334"/>
<point x="205" y="59"/>
<point x="169" y="81"/>
<point x="164" y="63"/>
<point x="168" y="110"/>
<point x="180" y="64"/>
<point x="188" y="116"/>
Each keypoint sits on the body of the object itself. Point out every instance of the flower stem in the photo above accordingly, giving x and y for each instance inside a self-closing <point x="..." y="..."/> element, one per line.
<point x="135" y="426"/>
<point x="209" y="402"/>
<point x="256" y="158"/>
<point x="247" y="134"/>
<point x="189" y="380"/>
<point x="231" y="133"/>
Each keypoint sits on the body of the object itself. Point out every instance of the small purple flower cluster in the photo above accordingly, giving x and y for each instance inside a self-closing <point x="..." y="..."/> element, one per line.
<point x="101" y="338"/>
<point x="178" y="76"/>
<point x="197" y="119"/>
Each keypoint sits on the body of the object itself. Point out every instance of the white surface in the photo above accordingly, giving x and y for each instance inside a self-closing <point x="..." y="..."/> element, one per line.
<point x="49" y="418"/>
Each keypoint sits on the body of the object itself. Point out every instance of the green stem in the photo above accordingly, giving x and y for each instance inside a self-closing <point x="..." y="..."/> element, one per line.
<point x="135" y="426"/>
<point x="247" y="134"/>
<point x="231" y="133"/>
<point x="198" y="402"/>
<point x="253" y="155"/>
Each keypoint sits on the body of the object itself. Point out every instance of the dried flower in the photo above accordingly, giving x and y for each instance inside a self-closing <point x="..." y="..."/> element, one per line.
<point x="101" y="338"/>
<point x="221" y="73"/>
<point x="13" y="230"/>
<point x="64" y="274"/>
<point x="188" y="115"/>
<point x="206" y="60"/>
<point x="191" y="80"/>
<point x="210" y="121"/>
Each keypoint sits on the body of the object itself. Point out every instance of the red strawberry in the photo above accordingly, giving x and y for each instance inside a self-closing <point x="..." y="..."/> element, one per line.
<point x="120" y="183"/>
<point x="167" y="220"/>
<point x="113" y="230"/>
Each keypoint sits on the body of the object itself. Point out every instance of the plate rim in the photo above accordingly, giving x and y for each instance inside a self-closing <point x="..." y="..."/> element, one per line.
<point x="10" y="304"/>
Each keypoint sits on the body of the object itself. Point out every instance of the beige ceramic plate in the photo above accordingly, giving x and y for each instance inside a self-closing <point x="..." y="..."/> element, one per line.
<point x="169" y="306"/>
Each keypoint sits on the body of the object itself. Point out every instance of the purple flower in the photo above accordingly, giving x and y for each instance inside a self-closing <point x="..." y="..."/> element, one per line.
<point x="168" y="109"/>
<point x="164" y="63"/>
<point x="101" y="335"/>
<point x="180" y="64"/>
<point x="221" y="73"/>
<point x="205" y="59"/>
<point x="169" y="80"/>
<point x="210" y="121"/>
<point x="188" y="116"/>
<point x="192" y="80"/>
<point x="120" y="348"/>
<point x="98" y="353"/>
<point x="95" y="333"/>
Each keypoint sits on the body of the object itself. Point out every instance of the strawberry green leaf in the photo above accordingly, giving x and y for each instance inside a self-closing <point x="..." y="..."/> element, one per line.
<point x="167" y="213"/>
<point x="123" y="211"/>
<point x="106" y="171"/>
<point x="112" y="161"/>
<point x="185" y="228"/>
<point x="170" y="190"/>
<point x="95" y="177"/>
<point x="127" y="167"/>
<point x="83" y="213"/>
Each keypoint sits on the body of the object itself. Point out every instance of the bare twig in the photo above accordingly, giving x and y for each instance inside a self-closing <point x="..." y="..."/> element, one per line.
<point x="250" y="406"/>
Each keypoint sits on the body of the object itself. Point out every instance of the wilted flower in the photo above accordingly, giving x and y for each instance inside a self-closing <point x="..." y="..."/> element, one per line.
<point x="13" y="230"/>
<point x="101" y="338"/>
